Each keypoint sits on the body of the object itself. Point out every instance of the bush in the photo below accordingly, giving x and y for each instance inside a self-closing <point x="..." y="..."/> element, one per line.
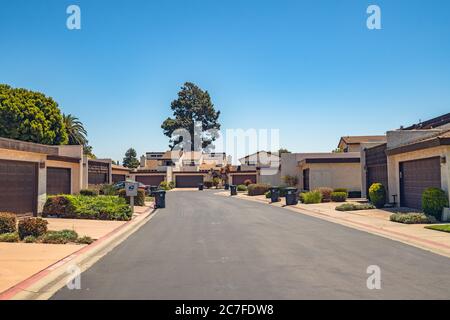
<point x="257" y="189"/>
<point x="216" y="182"/>
<point x="247" y="182"/>
<point x="291" y="181"/>
<point x="354" y="206"/>
<point x="268" y="195"/>
<point x="9" y="237"/>
<point x="108" y="190"/>
<point x="326" y="193"/>
<point x="171" y="184"/>
<point x="338" y="196"/>
<point x="377" y="195"/>
<point x="208" y="184"/>
<point x="164" y="185"/>
<point x="412" y="218"/>
<point x="7" y="222"/>
<point x="59" y="237"/>
<point x="434" y="200"/>
<point x="86" y="207"/>
<point x="55" y="206"/>
<point x="30" y="239"/>
<point x="341" y="190"/>
<point x="311" y="197"/>
<point x="241" y="187"/>
<point x="138" y="201"/>
<point x="89" y="192"/>
<point x="84" y="240"/>
<point x="35" y="227"/>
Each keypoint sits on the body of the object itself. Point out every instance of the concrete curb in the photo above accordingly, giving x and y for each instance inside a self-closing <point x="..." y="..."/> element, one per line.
<point x="414" y="241"/>
<point x="44" y="284"/>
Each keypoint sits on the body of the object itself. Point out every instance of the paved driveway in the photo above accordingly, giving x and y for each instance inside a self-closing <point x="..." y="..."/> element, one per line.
<point x="204" y="246"/>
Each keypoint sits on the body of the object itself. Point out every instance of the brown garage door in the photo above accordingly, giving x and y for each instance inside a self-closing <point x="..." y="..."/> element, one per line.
<point x="188" y="181"/>
<point x="118" y="178"/>
<point x="18" y="187"/>
<point x="150" y="180"/>
<point x="58" y="181"/>
<point x="239" y="179"/>
<point x="415" y="177"/>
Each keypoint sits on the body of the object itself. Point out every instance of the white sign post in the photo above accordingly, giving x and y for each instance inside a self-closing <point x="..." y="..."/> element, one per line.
<point x="131" y="190"/>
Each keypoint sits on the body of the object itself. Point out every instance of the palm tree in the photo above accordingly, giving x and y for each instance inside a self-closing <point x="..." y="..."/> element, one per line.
<point x="75" y="130"/>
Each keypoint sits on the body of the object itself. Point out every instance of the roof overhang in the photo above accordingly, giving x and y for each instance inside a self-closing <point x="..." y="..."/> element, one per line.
<point x="18" y="145"/>
<point x="426" y="144"/>
<point x="330" y="160"/>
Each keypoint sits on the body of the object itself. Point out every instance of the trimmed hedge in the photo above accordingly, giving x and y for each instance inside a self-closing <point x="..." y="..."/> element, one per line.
<point x="377" y="195"/>
<point x="89" y="192"/>
<point x="341" y="190"/>
<point x="241" y="187"/>
<point x="434" y="200"/>
<point x="326" y="193"/>
<point x="354" y="207"/>
<point x="59" y="237"/>
<point x="257" y="189"/>
<point x="311" y="197"/>
<point x="86" y="207"/>
<point x="35" y="227"/>
<point x="9" y="237"/>
<point x="412" y="218"/>
<point x="338" y="196"/>
<point x="138" y="201"/>
<point x="8" y="222"/>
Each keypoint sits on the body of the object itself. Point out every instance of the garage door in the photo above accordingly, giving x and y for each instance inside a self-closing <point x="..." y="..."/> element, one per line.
<point x="415" y="177"/>
<point x="239" y="179"/>
<point x="188" y="181"/>
<point x="150" y="180"/>
<point x="58" y="181"/>
<point x="18" y="187"/>
<point x="118" y="178"/>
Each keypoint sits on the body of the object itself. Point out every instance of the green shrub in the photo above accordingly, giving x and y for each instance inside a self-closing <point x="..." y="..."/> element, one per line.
<point x="9" y="237"/>
<point x="341" y="190"/>
<point x="241" y="187"/>
<point x="216" y="182"/>
<point x="268" y="194"/>
<point x="326" y="193"/>
<point x="138" y="201"/>
<point x="8" y="222"/>
<point x="60" y="237"/>
<point x="87" y="207"/>
<point x="257" y="189"/>
<point x="338" y="196"/>
<point x="89" y="192"/>
<point x="164" y="185"/>
<point x="108" y="190"/>
<point x="30" y="239"/>
<point x="311" y="197"/>
<point x="412" y="218"/>
<point x="84" y="240"/>
<point x="377" y="195"/>
<point x="35" y="227"/>
<point x="440" y="227"/>
<point x="354" y="207"/>
<point x="171" y="184"/>
<point x="434" y="200"/>
<point x="291" y="181"/>
<point x="208" y="184"/>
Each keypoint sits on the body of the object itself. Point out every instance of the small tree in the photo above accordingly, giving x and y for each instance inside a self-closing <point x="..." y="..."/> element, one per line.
<point x="130" y="160"/>
<point x="283" y="150"/>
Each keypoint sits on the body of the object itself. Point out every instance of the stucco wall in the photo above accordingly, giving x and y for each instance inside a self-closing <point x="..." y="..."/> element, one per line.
<point x="393" y="168"/>
<point x="333" y="175"/>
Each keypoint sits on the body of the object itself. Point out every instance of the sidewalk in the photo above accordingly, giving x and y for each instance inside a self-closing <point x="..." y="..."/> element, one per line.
<point x="20" y="261"/>
<point x="374" y="221"/>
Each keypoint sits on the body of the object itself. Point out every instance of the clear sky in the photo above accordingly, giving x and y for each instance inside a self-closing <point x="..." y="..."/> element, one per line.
<point x="309" y="68"/>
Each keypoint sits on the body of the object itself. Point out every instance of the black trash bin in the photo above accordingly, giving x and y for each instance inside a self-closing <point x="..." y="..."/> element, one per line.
<point x="274" y="194"/>
<point x="152" y="190"/>
<point x="160" y="198"/>
<point x="227" y="186"/>
<point x="200" y="186"/>
<point x="233" y="189"/>
<point x="291" y="196"/>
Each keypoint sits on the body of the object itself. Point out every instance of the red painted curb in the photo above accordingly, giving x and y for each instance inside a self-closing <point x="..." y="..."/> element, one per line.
<point x="23" y="285"/>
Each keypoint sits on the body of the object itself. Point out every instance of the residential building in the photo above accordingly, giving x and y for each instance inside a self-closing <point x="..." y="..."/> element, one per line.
<point x="353" y="143"/>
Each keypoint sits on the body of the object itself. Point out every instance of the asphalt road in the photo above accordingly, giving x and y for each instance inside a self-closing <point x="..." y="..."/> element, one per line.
<point x="204" y="246"/>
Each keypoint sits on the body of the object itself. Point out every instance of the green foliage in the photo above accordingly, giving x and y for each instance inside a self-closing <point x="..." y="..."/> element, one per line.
<point x="326" y="193"/>
<point x="89" y="192"/>
<point x="268" y="194"/>
<point x="290" y="181"/>
<point x="193" y="105"/>
<point x="9" y="237"/>
<point x="130" y="160"/>
<point x="84" y="240"/>
<point x="87" y="150"/>
<point x="434" y="200"/>
<point x="283" y="150"/>
<point x="30" y="116"/>
<point x="241" y="187"/>
<point x="35" y="227"/>
<point x="30" y="239"/>
<point x="412" y="218"/>
<point x="208" y="184"/>
<point x="164" y="185"/>
<point x="8" y="222"/>
<point x="354" y="206"/>
<point x="138" y="201"/>
<point x="59" y="237"/>
<point x="108" y="190"/>
<point x="377" y="195"/>
<point x="440" y="227"/>
<point x="75" y="130"/>
<point x="216" y="182"/>
<point x="338" y="196"/>
<point x="341" y="190"/>
<point x="257" y="189"/>
<point x="86" y="207"/>
<point x="311" y="197"/>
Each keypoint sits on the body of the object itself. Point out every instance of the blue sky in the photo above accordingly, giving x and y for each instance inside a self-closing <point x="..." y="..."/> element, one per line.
<point x="309" y="68"/>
